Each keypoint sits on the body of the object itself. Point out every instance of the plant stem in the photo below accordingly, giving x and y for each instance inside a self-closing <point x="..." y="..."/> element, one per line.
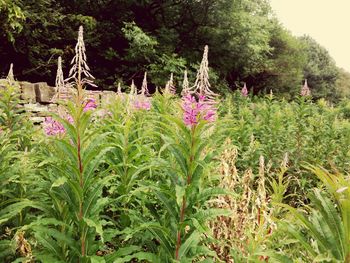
<point x="183" y="206"/>
<point x="80" y="163"/>
<point x="81" y="183"/>
<point x="182" y="215"/>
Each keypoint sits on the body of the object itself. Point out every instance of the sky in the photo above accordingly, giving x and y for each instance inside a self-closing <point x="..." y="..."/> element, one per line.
<point x="326" y="21"/>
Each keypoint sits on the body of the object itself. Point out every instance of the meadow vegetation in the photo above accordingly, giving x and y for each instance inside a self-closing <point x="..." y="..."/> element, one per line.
<point x="195" y="177"/>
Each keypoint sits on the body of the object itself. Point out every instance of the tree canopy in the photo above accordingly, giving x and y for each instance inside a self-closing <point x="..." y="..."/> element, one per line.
<point x="124" y="38"/>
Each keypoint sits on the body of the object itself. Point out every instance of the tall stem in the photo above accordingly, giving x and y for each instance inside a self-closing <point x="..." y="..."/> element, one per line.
<point x="80" y="163"/>
<point x="183" y="206"/>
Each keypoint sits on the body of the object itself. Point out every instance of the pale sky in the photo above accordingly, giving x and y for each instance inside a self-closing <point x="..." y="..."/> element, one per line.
<point x="326" y="21"/>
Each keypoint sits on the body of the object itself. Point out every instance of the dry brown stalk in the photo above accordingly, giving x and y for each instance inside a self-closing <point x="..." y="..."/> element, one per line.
<point x="185" y="85"/>
<point x="10" y="77"/>
<point x="170" y="87"/>
<point x="144" y="88"/>
<point x="202" y="85"/>
<point x="23" y="247"/>
<point x="250" y="222"/>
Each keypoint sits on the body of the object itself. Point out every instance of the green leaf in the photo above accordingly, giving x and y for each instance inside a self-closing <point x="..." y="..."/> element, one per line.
<point x="96" y="259"/>
<point x="60" y="181"/>
<point x="152" y="258"/>
<point x="121" y="252"/>
<point x="275" y="257"/>
<point x="14" y="209"/>
<point x="191" y="242"/>
<point x="96" y="225"/>
<point x="180" y="193"/>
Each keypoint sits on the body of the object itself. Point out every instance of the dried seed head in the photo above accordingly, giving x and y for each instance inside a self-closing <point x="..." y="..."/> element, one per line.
<point x="261" y="199"/>
<point x="185" y="85"/>
<point x="10" y="77"/>
<point x="119" y="89"/>
<point x="305" y="90"/>
<point x="169" y="87"/>
<point x="250" y="212"/>
<point x="23" y="246"/>
<point x="202" y="85"/>
<point x="80" y="71"/>
<point x="144" y="88"/>
<point x="63" y="92"/>
<point x="285" y="160"/>
<point x="133" y="89"/>
<point x="59" y="75"/>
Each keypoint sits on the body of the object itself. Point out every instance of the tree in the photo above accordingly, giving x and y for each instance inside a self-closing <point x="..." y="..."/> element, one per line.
<point x="342" y="84"/>
<point x="284" y="64"/>
<point x="125" y="38"/>
<point x="320" y="69"/>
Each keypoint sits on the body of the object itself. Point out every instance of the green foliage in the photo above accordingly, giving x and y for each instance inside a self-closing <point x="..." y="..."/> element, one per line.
<point x="285" y="63"/>
<point x="325" y="223"/>
<point x="124" y="184"/>
<point x="17" y="169"/>
<point x="141" y="46"/>
<point x="12" y="18"/>
<point x="126" y="38"/>
<point x="164" y="66"/>
<point x="320" y="69"/>
<point x="183" y="194"/>
<point x="306" y="131"/>
<point x="342" y="84"/>
<point x="70" y="227"/>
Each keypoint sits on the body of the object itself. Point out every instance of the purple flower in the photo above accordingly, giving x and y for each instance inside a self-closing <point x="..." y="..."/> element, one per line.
<point x="90" y="104"/>
<point x="69" y="118"/>
<point x="244" y="91"/>
<point x="142" y="103"/>
<point x="194" y="110"/>
<point x="52" y="127"/>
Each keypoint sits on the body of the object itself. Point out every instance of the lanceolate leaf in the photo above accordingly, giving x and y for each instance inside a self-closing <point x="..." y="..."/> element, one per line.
<point x="191" y="242"/>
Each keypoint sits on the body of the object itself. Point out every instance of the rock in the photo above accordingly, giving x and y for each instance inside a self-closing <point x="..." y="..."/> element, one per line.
<point x="53" y="108"/>
<point x="36" y="108"/>
<point x="37" y="120"/>
<point x="44" y="93"/>
<point x="64" y="94"/>
<point x="28" y="92"/>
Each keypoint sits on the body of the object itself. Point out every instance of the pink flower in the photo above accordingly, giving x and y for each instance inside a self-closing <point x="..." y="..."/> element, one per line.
<point x="142" y="103"/>
<point x="244" y="91"/>
<point x="69" y="118"/>
<point x="90" y="104"/>
<point x="194" y="110"/>
<point x="52" y="127"/>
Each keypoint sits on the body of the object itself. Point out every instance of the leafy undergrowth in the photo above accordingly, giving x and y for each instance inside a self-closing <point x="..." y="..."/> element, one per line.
<point x="167" y="179"/>
<point x="124" y="184"/>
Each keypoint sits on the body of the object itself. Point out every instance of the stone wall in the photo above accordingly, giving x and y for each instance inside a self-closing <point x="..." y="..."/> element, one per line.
<point x="37" y="98"/>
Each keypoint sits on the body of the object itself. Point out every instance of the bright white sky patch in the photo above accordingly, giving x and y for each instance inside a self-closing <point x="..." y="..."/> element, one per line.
<point x="327" y="21"/>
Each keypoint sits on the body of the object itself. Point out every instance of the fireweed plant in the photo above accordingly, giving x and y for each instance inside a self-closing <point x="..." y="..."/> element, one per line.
<point x="18" y="171"/>
<point x="153" y="179"/>
<point x="180" y="226"/>
<point x="70" y="228"/>
<point x="131" y="161"/>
